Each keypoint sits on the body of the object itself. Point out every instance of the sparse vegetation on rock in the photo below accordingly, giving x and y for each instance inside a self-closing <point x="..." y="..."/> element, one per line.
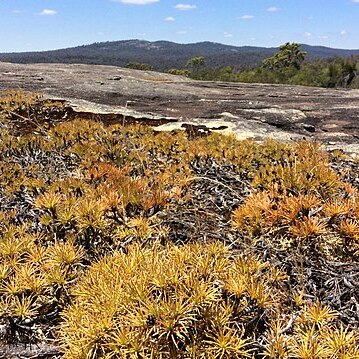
<point x="123" y="242"/>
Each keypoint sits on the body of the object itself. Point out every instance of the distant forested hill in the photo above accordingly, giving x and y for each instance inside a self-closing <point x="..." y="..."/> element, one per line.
<point x="163" y="55"/>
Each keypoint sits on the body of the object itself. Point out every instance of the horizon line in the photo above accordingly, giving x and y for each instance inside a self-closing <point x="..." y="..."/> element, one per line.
<point x="177" y="43"/>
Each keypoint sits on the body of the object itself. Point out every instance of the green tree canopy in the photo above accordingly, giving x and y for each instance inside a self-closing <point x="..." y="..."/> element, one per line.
<point x="196" y="61"/>
<point x="288" y="56"/>
<point x="139" y="66"/>
<point x="180" y="72"/>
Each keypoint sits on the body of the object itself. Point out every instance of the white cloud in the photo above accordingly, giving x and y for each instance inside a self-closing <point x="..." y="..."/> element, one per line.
<point x="137" y="2"/>
<point x="170" y="18"/>
<point x="309" y="35"/>
<point x="273" y="9"/>
<point x="16" y="11"/>
<point x="246" y="17"/>
<point x="185" y="7"/>
<point x="227" y="34"/>
<point x="48" y="12"/>
<point x="343" y="32"/>
<point x="355" y="0"/>
<point x="182" y="32"/>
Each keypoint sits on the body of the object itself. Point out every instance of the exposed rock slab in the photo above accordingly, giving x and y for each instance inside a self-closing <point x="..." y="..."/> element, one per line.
<point x="249" y="110"/>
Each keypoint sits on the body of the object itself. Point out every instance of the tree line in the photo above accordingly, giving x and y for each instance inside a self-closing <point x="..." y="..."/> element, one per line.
<point x="287" y="66"/>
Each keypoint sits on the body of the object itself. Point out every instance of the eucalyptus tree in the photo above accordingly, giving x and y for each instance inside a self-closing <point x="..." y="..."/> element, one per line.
<point x="288" y="56"/>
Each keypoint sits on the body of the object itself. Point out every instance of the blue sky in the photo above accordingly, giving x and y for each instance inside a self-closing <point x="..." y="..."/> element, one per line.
<point x="32" y="25"/>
